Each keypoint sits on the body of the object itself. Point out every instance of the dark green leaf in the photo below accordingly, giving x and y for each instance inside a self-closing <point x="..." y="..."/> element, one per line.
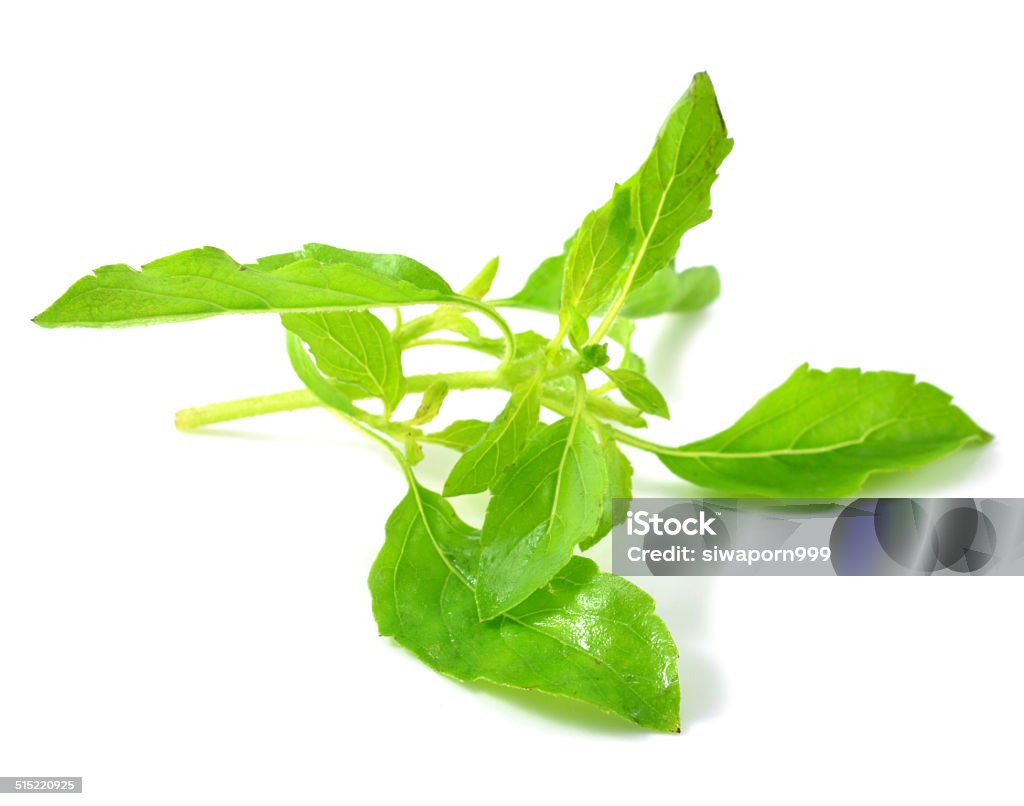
<point x="586" y="635"/>
<point x="593" y="355"/>
<point x="821" y="434"/>
<point x="550" y="500"/>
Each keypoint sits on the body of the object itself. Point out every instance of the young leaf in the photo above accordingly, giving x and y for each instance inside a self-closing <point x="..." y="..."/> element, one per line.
<point x="593" y="355"/>
<point x="821" y="434"/>
<point x="550" y="500"/>
<point x="638" y="390"/>
<point x="431" y="402"/>
<point x="599" y="254"/>
<point x="503" y="441"/>
<point x="481" y="284"/>
<point x="459" y="436"/>
<point x="206" y="282"/>
<point x="669" y="291"/>
<point x="620" y="485"/>
<point x="353" y="347"/>
<point x="586" y="635"/>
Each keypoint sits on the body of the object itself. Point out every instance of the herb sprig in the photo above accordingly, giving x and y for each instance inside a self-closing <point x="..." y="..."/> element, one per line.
<point x="511" y="601"/>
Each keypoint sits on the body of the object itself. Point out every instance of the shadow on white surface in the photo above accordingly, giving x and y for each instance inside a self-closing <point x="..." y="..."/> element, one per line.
<point x="559" y="711"/>
<point x="684" y="604"/>
<point x="968" y="466"/>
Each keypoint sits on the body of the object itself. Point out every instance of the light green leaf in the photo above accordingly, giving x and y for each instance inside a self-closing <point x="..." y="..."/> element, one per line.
<point x="543" y="288"/>
<point x="586" y="635"/>
<point x="464" y="326"/>
<point x="500" y="445"/>
<point x="550" y="500"/>
<point x="598" y="257"/>
<point x="622" y="333"/>
<point x="672" y="190"/>
<point x="459" y="436"/>
<point x="668" y="195"/>
<point x="431" y="402"/>
<point x="620" y="485"/>
<point x="481" y="284"/>
<point x="669" y="291"/>
<point x="326" y="392"/>
<point x="821" y="434"/>
<point x="206" y="282"/>
<point x="395" y="267"/>
<point x="638" y="390"/>
<point x="633" y="362"/>
<point x="353" y="347"/>
<point x="579" y="330"/>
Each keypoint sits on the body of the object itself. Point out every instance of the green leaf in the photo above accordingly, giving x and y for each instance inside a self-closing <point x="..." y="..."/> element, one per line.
<point x="481" y="284"/>
<point x="668" y="195"/>
<point x="354" y="347"/>
<point x="593" y="355"/>
<point x="634" y="362"/>
<point x="395" y="267"/>
<point x="550" y="500"/>
<point x="669" y="291"/>
<point x="579" y="330"/>
<point x="206" y="282"/>
<point x="821" y="434"/>
<point x="672" y="190"/>
<point x="638" y="390"/>
<point x="599" y="255"/>
<point x="622" y="333"/>
<point x="586" y="635"/>
<point x="459" y="436"/>
<point x="620" y="485"/>
<point x="430" y="403"/>
<point x="501" y="443"/>
<point x="326" y="392"/>
<point x="527" y="343"/>
<point x="543" y="288"/>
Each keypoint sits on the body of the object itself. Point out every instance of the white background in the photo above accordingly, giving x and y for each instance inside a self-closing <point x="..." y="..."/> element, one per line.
<point x="184" y="618"/>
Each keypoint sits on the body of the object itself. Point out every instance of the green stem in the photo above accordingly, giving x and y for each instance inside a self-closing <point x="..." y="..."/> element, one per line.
<point x="446" y="343"/>
<point x="643" y="444"/>
<point x="423" y="325"/>
<point x="556" y="341"/>
<point x="600" y="407"/>
<point x="190" y="419"/>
